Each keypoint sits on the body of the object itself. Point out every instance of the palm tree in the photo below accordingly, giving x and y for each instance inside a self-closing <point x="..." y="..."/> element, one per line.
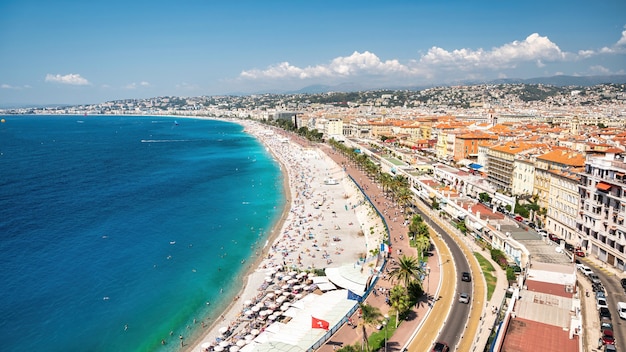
<point x="407" y="270"/>
<point x="422" y="243"/>
<point x="370" y="316"/>
<point x="399" y="300"/>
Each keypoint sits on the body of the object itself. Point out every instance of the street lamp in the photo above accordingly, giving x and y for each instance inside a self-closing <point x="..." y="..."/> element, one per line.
<point x="428" y="278"/>
<point x="385" y="325"/>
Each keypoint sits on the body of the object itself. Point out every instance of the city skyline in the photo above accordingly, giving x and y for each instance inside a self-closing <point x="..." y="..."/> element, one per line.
<point x="81" y="53"/>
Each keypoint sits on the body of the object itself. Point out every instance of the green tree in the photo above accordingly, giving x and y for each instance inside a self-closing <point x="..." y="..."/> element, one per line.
<point x="399" y="300"/>
<point x="407" y="270"/>
<point x="422" y="244"/>
<point x="370" y="316"/>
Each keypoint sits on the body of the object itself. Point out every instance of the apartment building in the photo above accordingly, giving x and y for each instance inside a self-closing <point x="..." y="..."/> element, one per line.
<point x="603" y="207"/>
<point x="466" y="144"/>
<point x="563" y="204"/>
<point x="523" y="175"/>
<point x="500" y="160"/>
<point x="559" y="159"/>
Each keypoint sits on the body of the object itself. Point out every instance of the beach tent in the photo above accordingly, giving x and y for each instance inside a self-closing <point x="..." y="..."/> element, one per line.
<point x="348" y="277"/>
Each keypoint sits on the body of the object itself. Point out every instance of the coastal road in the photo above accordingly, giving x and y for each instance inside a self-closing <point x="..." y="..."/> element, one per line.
<point x="614" y="293"/>
<point x="454" y="326"/>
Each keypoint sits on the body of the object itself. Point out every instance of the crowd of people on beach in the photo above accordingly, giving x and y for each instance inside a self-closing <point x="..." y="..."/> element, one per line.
<point x="323" y="227"/>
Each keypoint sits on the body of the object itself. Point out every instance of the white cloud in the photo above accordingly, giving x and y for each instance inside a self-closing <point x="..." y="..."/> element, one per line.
<point x="72" y="78"/>
<point x="355" y="64"/>
<point x="439" y="63"/>
<point x="534" y="48"/>
<point x="8" y="86"/>
<point x="136" y="85"/>
<point x="622" y="40"/>
<point x="586" y="53"/>
<point x="598" y="69"/>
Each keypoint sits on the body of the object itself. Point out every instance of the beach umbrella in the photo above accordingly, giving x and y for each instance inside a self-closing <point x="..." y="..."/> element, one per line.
<point x="248" y="312"/>
<point x="281" y="299"/>
<point x="263" y="313"/>
<point x="273" y="305"/>
<point x="268" y="279"/>
<point x="249" y="337"/>
<point x="241" y="343"/>
<point x="285" y="287"/>
<point x="272" y="317"/>
<point x="218" y="348"/>
<point x="205" y="345"/>
<point x="301" y="275"/>
<point x="286" y="293"/>
<point x="224" y="343"/>
<point x="299" y="295"/>
<point x="292" y="281"/>
<point x="286" y="277"/>
<point x="270" y="295"/>
<point x="234" y="348"/>
<point x="277" y="292"/>
<point x="254" y="332"/>
<point x="247" y="302"/>
<point x="256" y="308"/>
<point x="223" y="329"/>
<point x="292" y="273"/>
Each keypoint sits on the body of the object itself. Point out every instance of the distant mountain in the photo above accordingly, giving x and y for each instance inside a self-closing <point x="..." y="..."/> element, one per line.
<point x="559" y="81"/>
<point x="562" y="80"/>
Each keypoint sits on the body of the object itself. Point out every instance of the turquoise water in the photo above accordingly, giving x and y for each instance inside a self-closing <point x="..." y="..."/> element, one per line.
<point x="117" y="231"/>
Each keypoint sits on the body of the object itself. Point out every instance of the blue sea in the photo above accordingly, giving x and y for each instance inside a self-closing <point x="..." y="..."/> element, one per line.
<point x="116" y="232"/>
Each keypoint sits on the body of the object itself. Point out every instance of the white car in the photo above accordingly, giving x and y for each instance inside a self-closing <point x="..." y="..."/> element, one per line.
<point x="464" y="298"/>
<point x="601" y="302"/>
<point x="584" y="269"/>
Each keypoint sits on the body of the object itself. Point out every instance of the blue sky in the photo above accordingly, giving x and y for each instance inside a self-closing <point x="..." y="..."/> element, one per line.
<point x="92" y="51"/>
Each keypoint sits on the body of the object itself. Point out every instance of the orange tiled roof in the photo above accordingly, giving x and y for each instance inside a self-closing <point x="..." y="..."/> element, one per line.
<point x="564" y="157"/>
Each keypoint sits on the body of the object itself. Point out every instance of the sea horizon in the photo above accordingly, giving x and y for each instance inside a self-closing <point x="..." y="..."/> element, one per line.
<point x="120" y="232"/>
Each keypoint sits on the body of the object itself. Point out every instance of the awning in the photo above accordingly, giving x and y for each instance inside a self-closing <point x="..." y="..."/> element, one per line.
<point x="603" y="186"/>
<point x="474" y="166"/>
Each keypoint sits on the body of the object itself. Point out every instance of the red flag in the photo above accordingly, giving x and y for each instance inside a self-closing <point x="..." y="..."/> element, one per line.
<point x="319" y="324"/>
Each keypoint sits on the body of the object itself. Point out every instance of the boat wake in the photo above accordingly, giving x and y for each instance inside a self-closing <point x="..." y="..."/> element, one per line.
<point x="164" y="140"/>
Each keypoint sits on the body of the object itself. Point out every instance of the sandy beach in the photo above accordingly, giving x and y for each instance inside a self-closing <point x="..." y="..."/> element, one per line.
<point x="327" y="223"/>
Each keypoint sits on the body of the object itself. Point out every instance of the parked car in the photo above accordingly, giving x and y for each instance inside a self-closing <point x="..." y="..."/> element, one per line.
<point x="621" y="309"/>
<point x="600" y="294"/>
<point x="594" y="278"/>
<point x="610" y="348"/>
<point x="579" y="253"/>
<point x="604" y="313"/>
<point x="606" y="326"/>
<point x="465" y="276"/>
<point x="554" y="238"/>
<point x="623" y="282"/>
<point x="607" y="338"/>
<point x="464" y="298"/>
<point x="518" y="218"/>
<point x="584" y="269"/>
<point x="601" y="302"/>
<point x="532" y="225"/>
<point x="441" y="347"/>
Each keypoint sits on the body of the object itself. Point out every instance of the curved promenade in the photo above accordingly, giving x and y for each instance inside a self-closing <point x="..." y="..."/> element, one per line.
<point x="426" y="321"/>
